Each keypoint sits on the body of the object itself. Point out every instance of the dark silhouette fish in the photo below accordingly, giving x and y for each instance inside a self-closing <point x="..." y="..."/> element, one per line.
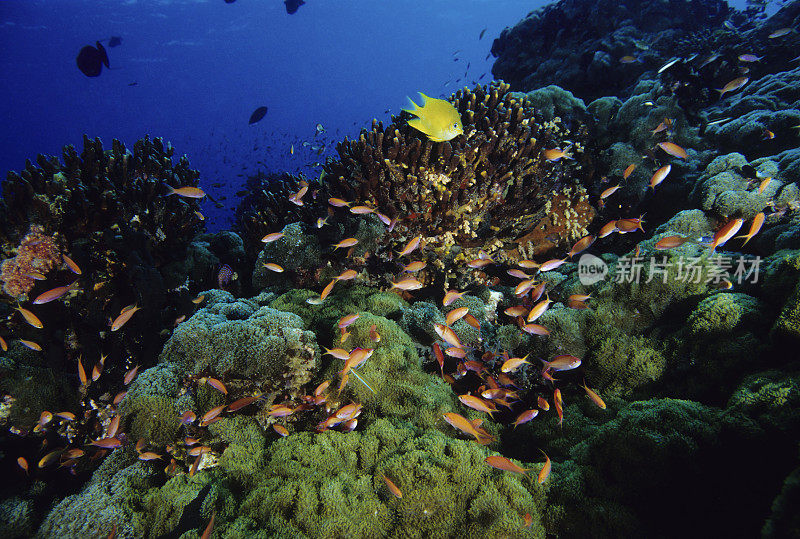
<point x="91" y="60"/>
<point x="115" y="41"/>
<point x="258" y="115"/>
<point x="230" y="1"/>
<point x="293" y="5"/>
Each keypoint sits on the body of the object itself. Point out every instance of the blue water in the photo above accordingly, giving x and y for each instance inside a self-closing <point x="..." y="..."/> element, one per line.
<point x="201" y="68"/>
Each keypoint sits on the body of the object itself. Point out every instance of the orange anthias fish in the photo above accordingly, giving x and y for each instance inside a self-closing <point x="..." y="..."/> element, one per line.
<point x="733" y="85"/>
<point x="580" y="246"/>
<point x="609" y="228"/>
<point x="30" y="318"/>
<point x="327" y="290"/>
<point x="755" y="226"/>
<point x="671" y="242"/>
<point x="272" y="266"/>
<point x="392" y="487"/>
<point x="451" y="296"/>
<point x="455" y="315"/>
<point x="525" y="416"/>
<point x="477" y="403"/>
<point x="659" y="176"/>
<point x="408" y="283"/>
<point x="347" y="320"/>
<point x="628" y="171"/>
<point x="123" y="318"/>
<point x="269" y="238"/>
<point x="410" y="247"/>
<point x="187" y="192"/>
<point x="347" y="242"/>
<point x="595" y="398"/>
<point x="463" y="424"/>
<point x="559" y="404"/>
<point x="448" y="335"/>
<point x="552" y="264"/>
<point x="673" y="149"/>
<point x="545" y="471"/>
<point x="347" y="275"/>
<point x="562" y="363"/>
<point x="73" y="267"/>
<point x="502" y="463"/>
<point x="554" y="154"/>
<point x="414" y="267"/>
<point x="510" y="365"/>
<point x="726" y="232"/>
<point x="54" y="294"/>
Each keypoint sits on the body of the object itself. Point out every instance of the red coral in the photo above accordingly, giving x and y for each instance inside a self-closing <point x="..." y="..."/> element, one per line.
<point x="37" y="253"/>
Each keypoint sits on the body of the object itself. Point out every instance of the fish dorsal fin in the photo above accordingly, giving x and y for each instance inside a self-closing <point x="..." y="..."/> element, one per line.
<point x="413" y="108"/>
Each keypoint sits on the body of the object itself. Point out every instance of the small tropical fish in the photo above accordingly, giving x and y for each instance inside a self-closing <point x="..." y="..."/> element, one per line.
<point x="519" y="274"/>
<point x="479" y="263"/>
<point x="755" y="226"/>
<point x="36" y="276"/>
<point x="218" y="385"/>
<point x="450" y="296"/>
<point x="409" y="283"/>
<point x="436" y="118"/>
<point x="628" y="171"/>
<point x="671" y="242"/>
<point x="356" y="358"/>
<point x="511" y="364"/>
<point x="200" y="216"/>
<point x="291" y="149"/>
<point x="559" y="404"/>
<point x="348" y="242"/>
<point x="523" y="287"/>
<point x="290" y="5"/>
<point x="545" y="471"/>
<point x="338" y="353"/>
<point x="225" y="275"/>
<point x="502" y="463"/>
<point x="188" y="417"/>
<point x="199" y="299"/>
<point x="113" y="427"/>
<point x="414" y="267"/>
<point x="542" y="403"/>
<point x="361" y="210"/>
<point x="554" y="154"/>
<point x="410" y="247"/>
<point x="327" y="290"/>
<point x="525" y="416"/>
<point x="538" y="290"/>
<point x="668" y="65"/>
<point x="66" y="416"/>
<point x="595" y="398"/>
<point x="374" y="336"/>
<point x="269" y="238"/>
<point x="538" y="310"/>
<point x="22" y="463"/>
<point x="3" y="344"/>
<point x="552" y="264"/>
<point x="477" y="403"/>
<point x="673" y="149"/>
<point x="130" y="375"/>
<point x="562" y="363"/>
<point x="82" y="373"/>
<point x="463" y="424"/>
<point x="749" y="58"/>
<point x="347" y="320"/>
<point x="630" y="224"/>
<point x="733" y="85"/>
<point x="54" y="294"/>
<point x="211" y="415"/>
<point x="456" y="315"/>
<point x="535" y="329"/>
<point x="107" y="443"/>
<point x="392" y="487"/>
<point x="49" y="458"/>
<point x="29" y="317"/>
<point x="271" y="266"/>
<point x="578" y="301"/>
<point x="527" y="520"/>
<point x="149" y="455"/>
<point x="448" y="335"/>
<point x="437" y="352"/>
<point x="608" y="192"/>
<point x="726" y="232"/>
<point x="338" y="202"/>
<point x="347" y="275"/>
<point x="628" y="59"/>
<point x="30" y="344"/>
<point x="321" y="221"/>
<point x="123" y="318"/>
<point x="659" y="176"/>
<point x="187" y="192"/>
<point x="608" y="229"/>
<point x="241" y="403"/>
<point x="779" y="33"/>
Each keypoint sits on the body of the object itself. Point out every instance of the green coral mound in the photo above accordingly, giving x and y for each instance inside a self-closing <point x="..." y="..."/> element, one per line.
<point x="345" y="299"/>
<point x="723" y="312"/>
<point x="394" y="372"/>
<point x="330" y="485"/>
<point x="295" y="251"/>
<point x="243" y="338"/>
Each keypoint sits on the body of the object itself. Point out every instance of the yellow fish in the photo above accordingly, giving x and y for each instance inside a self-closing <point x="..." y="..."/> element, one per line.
<point x="437" y="118"/>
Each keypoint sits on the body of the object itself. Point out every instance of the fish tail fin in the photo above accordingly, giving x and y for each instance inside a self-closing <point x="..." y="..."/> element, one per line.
<point x="171" y="189"/>
<point x="412" y="107"/>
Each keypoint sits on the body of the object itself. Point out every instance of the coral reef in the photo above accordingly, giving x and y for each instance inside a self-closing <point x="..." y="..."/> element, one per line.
<point x="37" y="253"/>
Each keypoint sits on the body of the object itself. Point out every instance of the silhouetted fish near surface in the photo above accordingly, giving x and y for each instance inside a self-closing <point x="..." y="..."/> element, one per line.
<point x="90" y="60"/>
<point x="257" y="115"/>
<point x="114" y="41"/>
<point x="133" y="83"/>
<point x="293" y="5"/>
